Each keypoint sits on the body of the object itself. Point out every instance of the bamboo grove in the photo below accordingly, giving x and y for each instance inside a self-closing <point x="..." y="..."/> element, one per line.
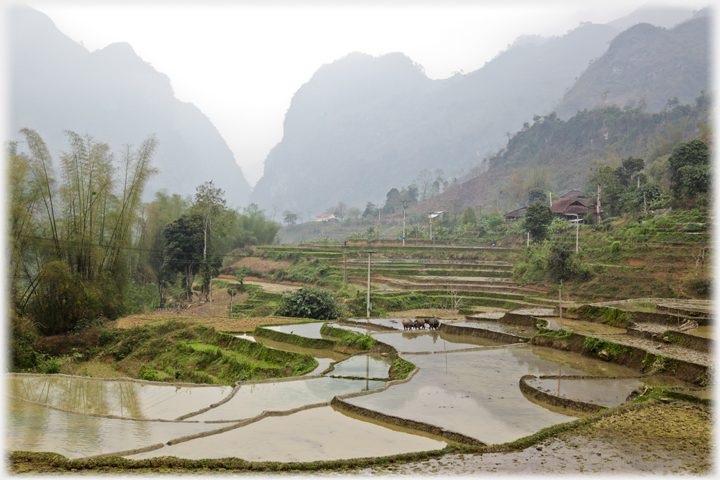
<point x="84" y="247"/>
<point x="69" y="235"/>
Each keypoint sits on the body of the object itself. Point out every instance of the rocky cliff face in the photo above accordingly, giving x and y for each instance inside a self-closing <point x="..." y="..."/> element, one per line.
<point x="119" y="99"/>
<point x="364" y="125"/>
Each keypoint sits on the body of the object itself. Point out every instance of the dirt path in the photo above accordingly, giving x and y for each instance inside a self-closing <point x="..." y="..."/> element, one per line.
<point x="219" y="323"/>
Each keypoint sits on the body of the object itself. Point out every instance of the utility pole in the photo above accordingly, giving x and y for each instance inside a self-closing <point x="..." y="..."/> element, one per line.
<point x="369" y="252"/>
<point x="379" y="220"/>
<point x="577" y="236"/>
<point x="405" y="205"/>
<point x="345" y="265"/>
<point x="560" y="302"/>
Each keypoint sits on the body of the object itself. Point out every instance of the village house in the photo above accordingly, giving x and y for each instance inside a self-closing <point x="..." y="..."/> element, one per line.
<point x="570" y="206"/>
<point x="326" y="217"/>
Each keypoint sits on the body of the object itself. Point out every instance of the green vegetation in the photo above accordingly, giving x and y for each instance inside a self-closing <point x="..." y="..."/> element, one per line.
<point x="402" y="368"/>
<point x="537" y="220"/>
<point x="559" y="334"/>
<point x="359" y="341"/>
<point x="178" y="352"/>
<point x="309" y="302"/>
<point x="596" y="345"/>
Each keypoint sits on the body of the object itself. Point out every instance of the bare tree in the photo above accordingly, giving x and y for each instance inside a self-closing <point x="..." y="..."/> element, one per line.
<point x="455" y="300"/>
<point x="699" y="257"/>
<point x="425" y="179"/>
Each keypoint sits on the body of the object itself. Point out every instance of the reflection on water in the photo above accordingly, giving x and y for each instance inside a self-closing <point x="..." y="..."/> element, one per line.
<point x="581" y="326"/>
<point x="307" y="436"/>
<point x="386" y="322"/>
<point x="519" y="330"/>
<point x="315" y="352"/>
<point x="307" y="330"/>
<point x="477" y="393"/>
<point x="39" y="429"/>
<point x="604" y="392"/>
<point x="322" y="356"/>
<point x="253" y="399"/>
<point x="432" y="341"/>
<point x="364" y="366"/>
<point x="125" y="399"/>
<point x="589" y="365"/>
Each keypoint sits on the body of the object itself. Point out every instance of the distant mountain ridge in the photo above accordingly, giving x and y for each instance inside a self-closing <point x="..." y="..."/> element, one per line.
<point x="119" y="99"/>
<point x="364" y="125"/>
<point x="646" y="63"/>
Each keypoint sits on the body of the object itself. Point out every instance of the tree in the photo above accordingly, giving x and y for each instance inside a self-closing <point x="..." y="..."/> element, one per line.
<point x="370" y="210"/>
<point x="425" y="179"/>
<point x="690" y="169"/>
<point x="469" y="216"/>
<point x="536" y="195"/>
<point x="86" y="221"/>
<point x="309" y="302"/>
<point x="629" y="168"/>
<point x="210" y="206"/>
<point x="289" y="217"/>
<point x="183" y="253"/>
<point x="559" y="263"/>
<point x="537" y="220"/>
<point x="354" y="213"/>
<point x="340" y="210"/>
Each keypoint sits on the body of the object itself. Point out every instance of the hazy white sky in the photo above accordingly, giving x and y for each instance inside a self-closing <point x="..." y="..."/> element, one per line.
<point x="241" y="62"/>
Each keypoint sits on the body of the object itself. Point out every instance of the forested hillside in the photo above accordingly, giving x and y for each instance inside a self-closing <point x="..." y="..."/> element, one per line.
<point x="556" y="155"/>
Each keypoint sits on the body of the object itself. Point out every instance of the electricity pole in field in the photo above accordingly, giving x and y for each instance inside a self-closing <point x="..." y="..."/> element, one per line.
<point x="405" y="205"/>
<point x="369" y="252"/>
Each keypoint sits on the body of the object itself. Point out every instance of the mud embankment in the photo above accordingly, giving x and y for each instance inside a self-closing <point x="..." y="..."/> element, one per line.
<point x="700" y="344"/>
<point x="481" y="333"/>
<point x="629" y="356"/>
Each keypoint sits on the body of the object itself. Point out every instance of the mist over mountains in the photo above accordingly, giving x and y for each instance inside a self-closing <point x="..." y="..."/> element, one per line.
<point x="119" y="99"/>
<point x="363" y="125"/>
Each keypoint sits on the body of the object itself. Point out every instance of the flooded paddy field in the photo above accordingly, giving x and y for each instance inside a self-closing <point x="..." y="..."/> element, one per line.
<point x="518" y="330"/>
<point x="253" y="399"/>
<point x="363" y="366"/>
<point x="308" y="330"/>
<point x="581" y="326"/>
<point x="315" y="434"/>
<point x="323" y="357"/>
<point x="476" y="393"/>
<point x="609" y="392"/>
<point x="464" y="384"/>
<point x="37" y="428"/>
<point x="120" y="398"/>
<point x="416" y="341"/>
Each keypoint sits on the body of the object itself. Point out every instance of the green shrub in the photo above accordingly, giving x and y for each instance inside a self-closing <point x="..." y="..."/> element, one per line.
<point x="309" y="302"/>
<point x="52" y="365"/>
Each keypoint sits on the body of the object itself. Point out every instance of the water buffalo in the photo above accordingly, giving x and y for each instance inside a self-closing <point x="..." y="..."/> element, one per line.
<point x="434" y="323"/>
<point x="407" y="324"/>
<point x="420" y="323"/>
